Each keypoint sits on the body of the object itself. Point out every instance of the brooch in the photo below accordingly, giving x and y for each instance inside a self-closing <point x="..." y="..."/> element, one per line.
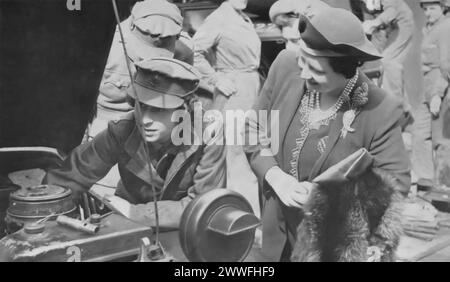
<point x="358" y="99"/>
<point x="347" y="120"/>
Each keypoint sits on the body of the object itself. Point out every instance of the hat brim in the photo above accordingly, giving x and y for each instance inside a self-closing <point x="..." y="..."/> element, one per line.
<point x="326" y="34"/>
<point x="158" y="25"/>
<point x="155" y="98"/>
<point x="319" y="53"/>
<point x="365" y="52"/>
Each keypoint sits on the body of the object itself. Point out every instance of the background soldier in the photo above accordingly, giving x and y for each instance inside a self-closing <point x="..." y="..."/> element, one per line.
<point x="429" y="122"/>
<point x="283" y="13"/>
<point x="151" y="31"/>
<point x="392" y="32"/>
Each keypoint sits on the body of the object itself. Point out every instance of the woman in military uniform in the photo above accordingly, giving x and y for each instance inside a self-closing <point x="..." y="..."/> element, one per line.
<point x="178" y="173"/>
<point x="328" y="110"/>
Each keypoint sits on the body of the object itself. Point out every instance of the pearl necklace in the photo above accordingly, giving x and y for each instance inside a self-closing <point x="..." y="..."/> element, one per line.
<point x="317" y="117"/>
<point x="310" y="102"/>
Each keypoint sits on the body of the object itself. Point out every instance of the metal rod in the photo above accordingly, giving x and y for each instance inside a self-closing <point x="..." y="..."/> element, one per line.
<point x="139" y="120"/>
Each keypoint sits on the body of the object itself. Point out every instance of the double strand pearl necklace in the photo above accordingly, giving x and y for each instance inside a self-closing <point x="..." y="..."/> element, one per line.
<point x="317" y="117"/>
<point x="312" y="117"/>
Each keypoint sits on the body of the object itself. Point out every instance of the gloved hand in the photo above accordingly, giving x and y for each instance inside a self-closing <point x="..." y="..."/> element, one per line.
<point x="291" y="192"/>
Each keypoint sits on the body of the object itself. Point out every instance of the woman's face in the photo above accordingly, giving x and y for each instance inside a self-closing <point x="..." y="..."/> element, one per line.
<point x="432" y="12"/>
<point x="157" y="123"/>
<point x="319" y="75"/>
<point x="238" y="4"/>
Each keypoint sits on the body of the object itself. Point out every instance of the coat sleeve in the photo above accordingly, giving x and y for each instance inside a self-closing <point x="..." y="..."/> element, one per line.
<point x="88" y="163"/>
<point x="205" y="40"/>
<point x="260" y="158"/>
<point x="387" y="144"/>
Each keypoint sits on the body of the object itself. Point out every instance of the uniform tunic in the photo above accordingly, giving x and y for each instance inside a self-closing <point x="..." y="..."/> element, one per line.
<point x="398" y="18"/>
<point x="228" y="45"/>
<point x="178" y="174"/>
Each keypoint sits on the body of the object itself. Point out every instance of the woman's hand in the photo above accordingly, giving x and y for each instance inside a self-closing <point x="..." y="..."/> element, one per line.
<point x="291" y="192"/>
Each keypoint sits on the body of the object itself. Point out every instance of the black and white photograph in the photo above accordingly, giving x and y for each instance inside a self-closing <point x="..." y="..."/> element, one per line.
<point x="224" y="131"/>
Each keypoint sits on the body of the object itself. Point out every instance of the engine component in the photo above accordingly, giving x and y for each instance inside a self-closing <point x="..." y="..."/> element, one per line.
<point x="76" y="224"/>
<point x="118" y="238"/>
<point x="218" y="226"/>
<point x="152" y="253"/>
<point x="30" y="204"/>
<point x="6" y="188"/>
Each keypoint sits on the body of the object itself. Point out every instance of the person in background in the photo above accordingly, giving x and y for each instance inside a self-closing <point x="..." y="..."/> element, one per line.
<point x="283" y="13"/>
<point x="150" y="31"/>
<point x="429" y="124"/>
<point x="177" y="173"/>
<point x="227" y="53"/>
<point x="392" y="32"/>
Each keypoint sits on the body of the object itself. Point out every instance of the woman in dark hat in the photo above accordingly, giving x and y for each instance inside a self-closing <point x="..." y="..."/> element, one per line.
<point x="328" y="110"/>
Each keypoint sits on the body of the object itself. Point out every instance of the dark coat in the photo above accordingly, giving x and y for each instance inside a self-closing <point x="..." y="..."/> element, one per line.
<point x="195" y="169"/>
<point x="376" y="129"/>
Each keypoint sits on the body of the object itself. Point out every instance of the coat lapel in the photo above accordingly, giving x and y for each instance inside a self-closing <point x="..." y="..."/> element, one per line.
<point x="178" y="162"/>
<point x="137" y="164"/>
<point x="334" y="135"/>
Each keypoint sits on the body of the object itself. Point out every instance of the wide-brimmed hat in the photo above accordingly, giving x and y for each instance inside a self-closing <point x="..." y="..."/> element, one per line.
<point x="164" y="82"/>
<point x="335" y="32"/>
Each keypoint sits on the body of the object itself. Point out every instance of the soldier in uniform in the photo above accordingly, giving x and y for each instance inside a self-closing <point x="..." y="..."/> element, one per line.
<point x="392" y="32"/>
<point x="429" y="123"/>
<point x="283" y="13"/>
<point x="177" y="172"/>
<point x="227" y="52"/>
<point x="151" y="31"/>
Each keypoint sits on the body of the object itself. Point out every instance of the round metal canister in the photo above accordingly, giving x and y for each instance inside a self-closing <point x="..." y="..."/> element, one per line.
<point x="33" y="203"/>
<point x="217" y="226"/>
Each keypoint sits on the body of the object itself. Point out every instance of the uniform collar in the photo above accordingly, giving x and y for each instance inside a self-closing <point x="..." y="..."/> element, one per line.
<point x="134" y="147"/>
<point x="439" y="21"/>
